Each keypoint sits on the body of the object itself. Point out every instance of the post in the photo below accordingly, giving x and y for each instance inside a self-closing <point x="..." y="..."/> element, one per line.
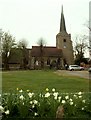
<point x="0" y="71"/>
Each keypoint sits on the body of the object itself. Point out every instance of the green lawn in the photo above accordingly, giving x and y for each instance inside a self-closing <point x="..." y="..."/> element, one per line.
<point x="37" y="81"/>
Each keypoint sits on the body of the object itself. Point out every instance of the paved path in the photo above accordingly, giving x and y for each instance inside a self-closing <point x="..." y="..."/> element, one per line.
<point x="82" y="74"/>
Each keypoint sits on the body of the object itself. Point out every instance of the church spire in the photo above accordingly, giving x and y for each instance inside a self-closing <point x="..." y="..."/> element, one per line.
<point x="62" y="22"/>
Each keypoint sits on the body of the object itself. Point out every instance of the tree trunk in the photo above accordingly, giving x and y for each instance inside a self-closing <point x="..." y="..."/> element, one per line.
<point x="6" y="65"/>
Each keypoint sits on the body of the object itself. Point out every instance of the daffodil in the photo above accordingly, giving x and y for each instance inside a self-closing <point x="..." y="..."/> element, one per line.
<point x="35" y="114"/>
<point x="21" y="97"/>
<point x="33" y="106"/>
<point x="71" y="103"/>
<point x="59" y="98"/>
<point x="47" y="89"/>
<point x="66" y="97"/>
<point x="75" y="96"/>
<point x="47" y="94"/>
<point x="82" y="108"/>
<point x="55" y="94"/>
<point x="23" y="103"/>
<point x="79" y="93"/>
<point x="27" y="90"/>
<point x="83" y="101"/>
<point x="21" y="91"/>
<point x="80" y="96"/>
<point x="53" y="90"/>
<point x="1" y="109"/>
<point x="63" y="101"/>
<point x="70" y="99"/>
<point x="17" y="89"/>
<point x="35" y="102"/>
<point x="55" y="98"/>
<point x="30" y="94"/>
<point x="75" y="105"/>
<point x="7" y="112"/>
<point x="31" y="102"/>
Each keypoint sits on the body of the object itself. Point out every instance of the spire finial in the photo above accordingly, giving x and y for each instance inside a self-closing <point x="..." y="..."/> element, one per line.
<point x="62" y="9"/>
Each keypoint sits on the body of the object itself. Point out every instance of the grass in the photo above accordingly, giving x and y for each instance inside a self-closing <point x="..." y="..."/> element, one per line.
<point x="37" y="81"/>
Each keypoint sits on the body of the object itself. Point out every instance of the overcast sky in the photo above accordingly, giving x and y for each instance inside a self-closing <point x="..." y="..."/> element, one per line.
<point x="33" y="19"/>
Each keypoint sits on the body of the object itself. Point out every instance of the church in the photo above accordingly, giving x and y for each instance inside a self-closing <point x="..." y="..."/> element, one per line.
<point x="60" y="55"/>
<point x="49" y="56"/>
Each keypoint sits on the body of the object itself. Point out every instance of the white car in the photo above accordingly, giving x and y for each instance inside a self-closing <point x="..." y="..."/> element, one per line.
<point x="75" y="67"/>
<point x="89" y="70"/>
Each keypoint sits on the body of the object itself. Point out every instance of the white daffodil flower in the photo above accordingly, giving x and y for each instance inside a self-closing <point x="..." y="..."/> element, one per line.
<point x="33" y="106"/>
<point x="80" y="96"/>
<point x="75" y="96"/>
<point x="83" y="101"/>
<point x="75" y="105"/>
<point x="53" y="90"/>
<point x="7" y="112"/>
<point x="35" y="102"/>
<point x="82" y="108"/>
<point x="35" y="114"/>
<point x="31" y="102"/>
<point x="21" y="91"/>
<point x="30" y="94"/>
<point x="63" y="101"/>
<point x="1" y="109"/>
<point x="70" y="99"/>
<point x="55" y="94"/>
<point x="47" y="94"/>
<point x="66" y="97"/>
<point x="47" y="89"/>
<point x="17" y="89"/>
<point x="71" y="103"/>
<point x="23" y="103"/>
<point x="55" y="98"/>
<point x="79" y="93"/>
<point x="27" y="90"/>
<point x="21" y="97"/>
<point x="59" y="98"/>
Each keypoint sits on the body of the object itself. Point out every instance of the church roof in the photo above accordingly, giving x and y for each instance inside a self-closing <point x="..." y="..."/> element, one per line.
<point x="47" y="51"/>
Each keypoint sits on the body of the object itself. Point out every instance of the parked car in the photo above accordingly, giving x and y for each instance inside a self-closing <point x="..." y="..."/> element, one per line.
<point x="75" y="67"/>
<point x="89" y="70"/>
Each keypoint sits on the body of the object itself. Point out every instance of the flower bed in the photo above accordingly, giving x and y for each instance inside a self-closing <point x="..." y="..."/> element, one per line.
<point x="25" y="104"/>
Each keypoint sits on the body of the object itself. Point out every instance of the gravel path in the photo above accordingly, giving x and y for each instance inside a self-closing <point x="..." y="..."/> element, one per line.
<point x="82" y="74"/>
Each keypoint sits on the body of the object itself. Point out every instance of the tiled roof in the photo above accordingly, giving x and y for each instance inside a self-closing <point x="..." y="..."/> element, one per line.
<point x="47" y="51"/>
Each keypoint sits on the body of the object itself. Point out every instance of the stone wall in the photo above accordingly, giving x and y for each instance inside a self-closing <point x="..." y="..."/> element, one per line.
<point x="63" y="41"/>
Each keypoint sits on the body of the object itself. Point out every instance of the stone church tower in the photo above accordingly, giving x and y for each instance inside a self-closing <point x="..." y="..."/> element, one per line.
<point x="63" y="41"/>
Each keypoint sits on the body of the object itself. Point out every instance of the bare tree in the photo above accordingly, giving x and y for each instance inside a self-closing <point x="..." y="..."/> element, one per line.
<point x="22" y="44"/>
<point x="41" y="42"/>
<point x="88" y="25"/>
<point x="80" y="46"/>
